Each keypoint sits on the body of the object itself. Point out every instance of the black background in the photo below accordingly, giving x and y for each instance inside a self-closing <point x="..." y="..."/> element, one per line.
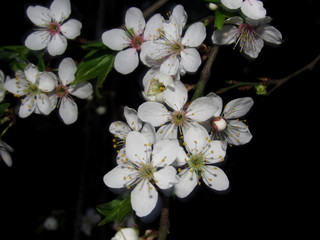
<point x="273" y="178"/>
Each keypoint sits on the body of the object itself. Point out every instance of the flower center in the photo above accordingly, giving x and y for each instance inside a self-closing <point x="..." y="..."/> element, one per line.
<point x="62" y="91"/>
<point x="137" y="41"/>
<point x="247" y="36"/>
<point x="196" y="163"/>
<point x="146" y="171"/>
<point x="219" y="123"/>
<point x="178" y="118"/>
<point x="54" y="28"/>
<point x="155" y="87"/>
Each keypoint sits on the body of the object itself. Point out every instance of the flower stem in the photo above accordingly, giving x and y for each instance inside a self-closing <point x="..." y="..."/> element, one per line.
<point x="164" y="220"/>
<point x="205" y="74"/>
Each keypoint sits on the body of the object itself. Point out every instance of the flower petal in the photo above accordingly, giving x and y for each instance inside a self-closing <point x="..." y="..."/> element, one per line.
<point x="38" y="40"/>
<point x="237" y="133"/>
<point x="116" y="39"/>
<point x="180" y="15"/>
<point x="57" y="45"/>
<point x="16" y="86"/>
<point x="153" y="27"/>
<point x="71" y="29"/>
<point x="226" y="36"/>
<point x="119" y="177"/>
<point x="138" y="149"/>
<point x="215" y="178"/>
<point x="81" y="90"/>
<point x="201" y="109"/>
<point x="190" y="59"/>
<point x="196" y="139"/>
<point x="67" y="71"/>
<point x="166" y="178"/>
<point x="27" y="106"/>
<point x="47" y="81"/>
<point x="164" y="152"/>
<point x="132" y="118"/>
<point x="269" y="34"/>
<point x="135" y="20"/>
<point x="40" y="16"/>
<point x="6" y="157"/>
<point x="149" y="132"/>
<point x="176" y="95"/>
<point x="215" y="152"/>
<point x="32" y="73"/>
<point x="120" y="129"/>
<point x="144" y="198"/>
<point x="121" y="157"/>
<point x="194" y="35"/>
<point x="217" y="101"/>
<point x="126" y="61"/>
<point x="188" y="181"/>
<point x="68" y="111"/>
<point x="253" y="9"/>
<point x="237" y="108"/>
<point x="232" y="4"/>
<point x="43" y="103"/>
<point x="171" y="65"/>
<point x="154" y="113"/>
<point x="61" y="10"/>
<point x="167" y="131"/>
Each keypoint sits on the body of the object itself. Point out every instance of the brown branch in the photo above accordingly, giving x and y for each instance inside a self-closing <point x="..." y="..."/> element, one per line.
<point x="280" y="82"/>
<point x="154" y="7"/>
<point x="164" y="220"/>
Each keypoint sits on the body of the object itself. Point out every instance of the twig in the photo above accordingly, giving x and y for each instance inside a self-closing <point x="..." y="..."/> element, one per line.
<point x="164" y="220"/>
<point x="280" y="82"/>
<point x="154" y="7"/>
<point x="205" y="73"/>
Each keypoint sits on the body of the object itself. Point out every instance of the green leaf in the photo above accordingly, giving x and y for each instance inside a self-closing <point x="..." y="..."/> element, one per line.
<point x="213" y="1"/>
<point x="220" y="16"/>
<point x="115" y="210"/>
<point x="3" y="108"/>
<point x="41" y="64"/>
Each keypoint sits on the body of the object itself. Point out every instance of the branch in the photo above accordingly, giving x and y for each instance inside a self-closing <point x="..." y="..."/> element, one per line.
<point x="154" y="7"/>
<point x="205" y="73"/>
<point x="280" y="82"/>
<point x="164" y="220"/>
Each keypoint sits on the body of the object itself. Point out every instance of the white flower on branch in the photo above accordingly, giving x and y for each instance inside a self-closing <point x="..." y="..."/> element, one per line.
<point x="202" y="154"/>
<point x="249" y="35"/>
<point x="51" y="31"/>
<point x="251" y="8"/>
<point x="68" y="109"/>
<point x="174" y="52"/>
<point x="129" y="41"/>
<point x="34" y="85"/>
<point x="146" y="168"/>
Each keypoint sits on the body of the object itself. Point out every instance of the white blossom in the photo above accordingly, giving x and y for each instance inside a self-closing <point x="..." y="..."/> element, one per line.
<point x="4" y="153"/>
<point x="51" y="30"/>
<point x="68" y="109"/>
<point x="202" y="154"/>
<point x="130" y="40"/>
<point x="34" y="85"/>
<point x="147" y="166"/>
<point x="249" y="35"/>
<point x="251" y="8"/>
<point x="126" y="234"/>
<point x="176" y="54"/>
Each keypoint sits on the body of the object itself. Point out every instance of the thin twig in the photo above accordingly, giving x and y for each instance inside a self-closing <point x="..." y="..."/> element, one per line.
<point x="280" y="82"/>
<point x="154" y="7"/>
<point x="205" y="73"/>
<point x="164" y="220"/>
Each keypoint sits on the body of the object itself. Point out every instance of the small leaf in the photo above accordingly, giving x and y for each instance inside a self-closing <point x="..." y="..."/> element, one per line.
<point x="219" y="19"/>
<point x="3" y="108"/>
<point x="41" y="64"/>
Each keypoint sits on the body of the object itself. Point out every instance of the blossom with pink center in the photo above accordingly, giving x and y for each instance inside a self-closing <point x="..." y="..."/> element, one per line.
<point x="251" y="8"/>
<point x="68" y="109"/>
<point x="249" y="35"/>
<point x="128" y="41"/>
<point x="51" y="30"/>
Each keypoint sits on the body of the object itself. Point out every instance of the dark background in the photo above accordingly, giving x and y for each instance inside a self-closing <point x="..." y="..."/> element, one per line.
<point x="273" y="178"/>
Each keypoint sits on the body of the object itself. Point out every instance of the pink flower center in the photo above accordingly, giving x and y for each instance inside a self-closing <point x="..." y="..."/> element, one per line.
<point x="247" y="36"/>
<point x="62" y="91"/>
<point x="137" y="41"/>
<point x="54" y="28"/>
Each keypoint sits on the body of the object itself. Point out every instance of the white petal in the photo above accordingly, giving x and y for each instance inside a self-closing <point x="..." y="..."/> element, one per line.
<point x="201" y="109"/>
<point x="71" y="29"/>
<point x="154" y="113"/>
<point x="180" y="14"/>
<point x="27" y="106"/>
<point x="135" y="20"/>
<point x="144" y="198"/>
<point x="120" y="129"/>
<point x="68" y="111"/>
<point x="252" y="48"/>
<point x="194" y="35"/>
<point x="121" y="157"/>
<point x="190" y="59"/>
<point x="125" y="234"/>
<point x="188" y="181"/>
<point x="47" y="81"/>
<point x="196" y="139"/>
<point x="215" y="178"/>
<point x="149" y="132"/>
<point x="173" y="29"/>
<point x="43" y="103"/>
<point x="232" y="4"/>
<point x="176" y="95"/>
<point x="171" y="65"/>
<point x="166" y="177"/>
<point x="40" y="16"/>
<point x="61" y="10"/>
<point x="6" y="157"/>
<point x="81" y="90"/>
<point x="38" y="40"/>
<point x="269" y="34"/>
<point x="67" y="71"/>
<point x="119" y="177"/>
<point x="253" y="9"/>
<point x="217" y="101"/>
<point x="132" y="118"/>
<point x="138" y="149"/>
<point x="226" y="36"/>
<point x="215" y="152"/>
<point x="116" y="39"/>
<point x="164" y="152"/>
<point x="237" y="133"/>
<point x="237" y="108"/>
<point x="57" y="45"/>
<point x="32" y="73"/>
<point x="153" y="27"/>
<point x="181" y="159"/>
<point x="16" y="86"/>
<point x="167" y="131"/>
<point x="126" y="61"/>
